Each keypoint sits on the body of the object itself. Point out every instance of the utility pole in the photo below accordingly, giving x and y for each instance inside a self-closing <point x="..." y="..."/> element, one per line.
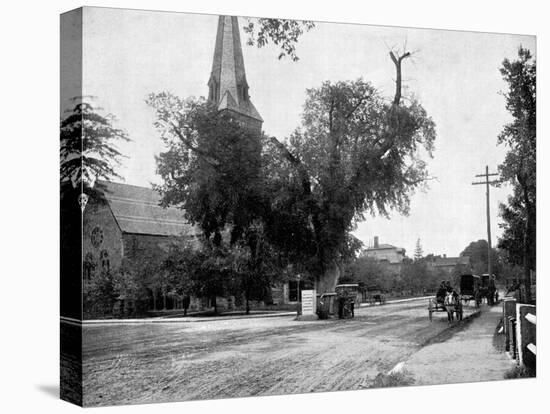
<point x="487" y="183"/>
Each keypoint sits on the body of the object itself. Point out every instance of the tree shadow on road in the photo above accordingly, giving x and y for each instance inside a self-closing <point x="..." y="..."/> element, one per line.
<point x="451" y="331"/>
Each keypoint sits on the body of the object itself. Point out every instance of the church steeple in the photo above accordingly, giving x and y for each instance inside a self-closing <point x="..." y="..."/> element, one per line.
<point x="228" y="87"/>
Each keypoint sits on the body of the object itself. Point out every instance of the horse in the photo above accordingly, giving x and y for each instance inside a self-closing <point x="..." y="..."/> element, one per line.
<point x="450" y="303"/>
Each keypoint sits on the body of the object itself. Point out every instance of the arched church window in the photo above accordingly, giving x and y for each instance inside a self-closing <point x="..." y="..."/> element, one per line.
<point x="88" y="267"/>
<point x="104" y="259"/>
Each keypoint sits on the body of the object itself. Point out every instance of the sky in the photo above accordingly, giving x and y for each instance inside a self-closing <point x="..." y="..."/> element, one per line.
<point x="128" y="54"/>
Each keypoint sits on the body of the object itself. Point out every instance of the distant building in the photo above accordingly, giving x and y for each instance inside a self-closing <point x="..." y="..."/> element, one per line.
<point x="387" y="252"/>
<point x="449" y="265"/>
<point x="388" y="255"/>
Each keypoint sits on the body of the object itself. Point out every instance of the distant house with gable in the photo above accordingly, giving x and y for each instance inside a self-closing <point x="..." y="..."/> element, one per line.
<point x="450" y="265"/>
<point x="388" y="255"/>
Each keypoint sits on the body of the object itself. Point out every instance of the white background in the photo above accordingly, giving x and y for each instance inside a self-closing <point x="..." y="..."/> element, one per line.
<point x="29" y="269"/>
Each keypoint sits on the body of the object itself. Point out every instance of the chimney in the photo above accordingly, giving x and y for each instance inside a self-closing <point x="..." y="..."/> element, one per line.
<point x="376" y="242"/>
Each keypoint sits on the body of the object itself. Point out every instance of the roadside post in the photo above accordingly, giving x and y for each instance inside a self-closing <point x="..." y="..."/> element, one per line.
<point x="508" y="311"/>
<point x="308" y="305"/>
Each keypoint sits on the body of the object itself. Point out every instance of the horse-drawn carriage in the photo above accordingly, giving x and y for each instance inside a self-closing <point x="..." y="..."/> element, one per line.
<point x="449" y="302"/>
<point x="470" y="289"/>
<point x="452" y="302"/>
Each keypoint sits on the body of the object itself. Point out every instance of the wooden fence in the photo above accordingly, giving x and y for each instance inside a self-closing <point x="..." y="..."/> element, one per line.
<point x="520" y="330"/>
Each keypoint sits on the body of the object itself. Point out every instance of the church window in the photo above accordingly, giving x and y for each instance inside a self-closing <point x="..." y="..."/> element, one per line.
<point x="89" y="266"/>
<point x="97" y="236"/>
<point x="104" y="259"/>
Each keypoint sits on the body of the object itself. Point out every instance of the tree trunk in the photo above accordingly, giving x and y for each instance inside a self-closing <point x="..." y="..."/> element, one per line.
<point x="328" y="281"/>
<point x="247" y="305"/>
<point x="215" y="304"/>
<point x="527" y="262"/>
<point x="527" y="256"/>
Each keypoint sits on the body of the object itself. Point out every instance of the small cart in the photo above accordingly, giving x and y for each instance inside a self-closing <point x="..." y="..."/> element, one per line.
<point x="375" y="294"/>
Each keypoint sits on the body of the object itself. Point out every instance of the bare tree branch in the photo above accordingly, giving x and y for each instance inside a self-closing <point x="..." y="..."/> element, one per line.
<point x="397" y="59"/>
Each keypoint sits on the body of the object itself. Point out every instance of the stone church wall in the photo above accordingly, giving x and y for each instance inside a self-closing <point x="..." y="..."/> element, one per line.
<point x="102" y="239"/>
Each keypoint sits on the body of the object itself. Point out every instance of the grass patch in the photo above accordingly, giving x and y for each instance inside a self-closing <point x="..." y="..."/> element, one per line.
<point x="397" y="379"/>
<point x="520" y="372"/>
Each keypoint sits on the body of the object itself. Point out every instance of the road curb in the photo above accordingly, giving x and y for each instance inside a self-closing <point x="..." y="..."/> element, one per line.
<point x="165" y="320"/>
<point x="98" y="322"/>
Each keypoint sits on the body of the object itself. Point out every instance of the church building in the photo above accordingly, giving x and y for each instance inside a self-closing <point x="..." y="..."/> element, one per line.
<point x="127" y="221"/>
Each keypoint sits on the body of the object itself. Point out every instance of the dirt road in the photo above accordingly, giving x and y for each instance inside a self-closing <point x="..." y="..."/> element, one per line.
<point x="262" y="356"/>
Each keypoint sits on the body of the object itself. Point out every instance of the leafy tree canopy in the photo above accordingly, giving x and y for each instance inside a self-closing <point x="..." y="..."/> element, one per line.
<point x="283" y="33"/>
<point x="519" y="166"/>
<point x="88" y="144"/>
<point x="211" y="168"/>
<point x="418" y="252"/>
<point x="354" y="153"/>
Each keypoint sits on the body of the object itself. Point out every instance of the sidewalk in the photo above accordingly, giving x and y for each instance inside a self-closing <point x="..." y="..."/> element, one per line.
<point x="468" y="356"/>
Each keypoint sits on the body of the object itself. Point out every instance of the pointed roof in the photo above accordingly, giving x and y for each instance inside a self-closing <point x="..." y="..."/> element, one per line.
<point x="137" y="210"/>
<point x="228" y="85"/>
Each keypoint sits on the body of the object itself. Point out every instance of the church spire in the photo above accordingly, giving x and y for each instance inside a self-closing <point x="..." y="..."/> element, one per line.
<point x="228" y="87"/>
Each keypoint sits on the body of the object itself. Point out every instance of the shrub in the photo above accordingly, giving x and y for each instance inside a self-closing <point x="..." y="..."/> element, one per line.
<point x="394" y="379"/>
<point x="520" y="371"/>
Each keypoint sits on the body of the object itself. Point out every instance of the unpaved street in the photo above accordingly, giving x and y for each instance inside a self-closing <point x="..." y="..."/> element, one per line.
<point x="256" y="356"/>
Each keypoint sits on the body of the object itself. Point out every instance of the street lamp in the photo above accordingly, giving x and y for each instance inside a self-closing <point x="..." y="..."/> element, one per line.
<point x="87" y="180"/>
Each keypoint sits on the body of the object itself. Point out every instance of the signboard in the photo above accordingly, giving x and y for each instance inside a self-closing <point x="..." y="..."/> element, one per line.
<point x="308" y="302"/>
